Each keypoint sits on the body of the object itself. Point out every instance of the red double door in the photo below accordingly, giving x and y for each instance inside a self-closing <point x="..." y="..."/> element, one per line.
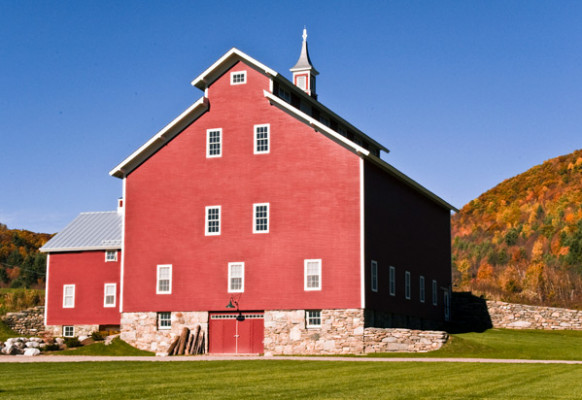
<point x="234" y="334"/>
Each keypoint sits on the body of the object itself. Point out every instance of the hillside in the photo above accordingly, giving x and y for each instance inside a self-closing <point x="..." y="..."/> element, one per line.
<point x="522" y="240"/>
<point x="21" y="264"/>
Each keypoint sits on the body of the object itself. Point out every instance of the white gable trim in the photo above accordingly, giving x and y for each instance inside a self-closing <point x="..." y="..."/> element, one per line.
<point x="161" y="138"/>
<point x="224" y="62"/>
<point x="318" y="126"/>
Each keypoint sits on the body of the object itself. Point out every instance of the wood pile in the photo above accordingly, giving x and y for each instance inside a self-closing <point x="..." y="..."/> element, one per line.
<point x="189" y="342"/>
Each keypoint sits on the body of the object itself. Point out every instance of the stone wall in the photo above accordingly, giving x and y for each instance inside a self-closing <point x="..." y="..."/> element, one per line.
<point x="80" y="330"/>
<point x="519" y="316"/>
<point x="380" y="340"/>
<point x="140" y="329"/>
<point x="27" y="322"/>
<point x="341" y="332"/>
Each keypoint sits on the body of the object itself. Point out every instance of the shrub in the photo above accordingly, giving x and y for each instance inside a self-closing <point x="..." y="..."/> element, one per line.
<point x="72" y="342"/>
<point x="97" y="336"/>
<point x="52" y="347"/>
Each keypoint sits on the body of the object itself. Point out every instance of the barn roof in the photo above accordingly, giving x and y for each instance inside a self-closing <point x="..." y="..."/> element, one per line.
<point x="89" y="231"/>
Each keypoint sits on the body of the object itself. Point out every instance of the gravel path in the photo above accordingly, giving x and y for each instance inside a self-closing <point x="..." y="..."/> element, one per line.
<point x="24" y="359"/>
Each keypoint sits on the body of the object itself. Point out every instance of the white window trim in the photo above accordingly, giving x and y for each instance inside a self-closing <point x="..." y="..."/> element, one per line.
<point x="65" y="297"/>
<point x="163" y="328"/>
<point x="114" y="285"/>
<point x="374" y="273"/>
<point x="435" y="294"/>
<point x="305" y="275"/>
<point x="407" y="287"/>
<point x="242" y="286"/>
<point x="208" y="155"/>
<point x="255" y="205"/>
<point x="422" y="289"/>
<point x="65" y="330"/>
<point x="255" y="151"/>
<point x="392" y="281"/>
<point x="234" y="73"/>
<point x="159" y="267"/>
<point x="206" y="226"/>
<point x="308" y="324"/>
<point x="109" y="252"/>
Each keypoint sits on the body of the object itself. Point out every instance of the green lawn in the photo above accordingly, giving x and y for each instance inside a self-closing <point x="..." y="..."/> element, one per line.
<point x="274" y="379"/>
<point x="507" y="343"/>
<point x="117" y="348"/>
<point x="6" y="332"/>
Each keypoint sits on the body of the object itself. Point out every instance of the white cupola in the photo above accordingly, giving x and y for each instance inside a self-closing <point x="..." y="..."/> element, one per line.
<point x="303" y="72"/>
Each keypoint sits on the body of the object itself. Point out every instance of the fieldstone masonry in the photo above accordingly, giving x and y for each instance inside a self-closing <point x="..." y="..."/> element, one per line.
<point x="140" y="329"/>
<point x="80" y="330"/>
<point x="380" y="340"/>
<point x="519" y="316"/>
<point x="27" y="322"/>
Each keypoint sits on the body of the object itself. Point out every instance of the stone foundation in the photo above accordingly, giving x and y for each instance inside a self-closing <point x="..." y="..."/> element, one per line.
<point x="140" y="329"/>
<point x="80" y="330"/>
<point x="27" y="322"/>
<point x="519" y="316"/>
<point x="378" y="340"/>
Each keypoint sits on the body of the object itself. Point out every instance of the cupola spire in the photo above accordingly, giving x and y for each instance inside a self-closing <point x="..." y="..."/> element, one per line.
<point x="304" y="72"/>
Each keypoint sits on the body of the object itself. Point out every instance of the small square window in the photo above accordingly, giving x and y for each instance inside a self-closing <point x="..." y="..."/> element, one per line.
<point x="285" y="94"/>
<point x="213" y="143"/>
<point x="164" y="320"/>
<point x="262" y="139"/>
<point x="68" y="331"/>
<point x="313" y="319"/>
<point x="312" y="275"/>
<point x="110" y="255"/>
<point x="238" y="78"/>
<point x="407" y="285"/>
<point x="164" y="281"/>
<point x="261" y="218"/>
<point x="236" y="277"/>
<point x="110" y="292"/>
<point x="212" y="220"/>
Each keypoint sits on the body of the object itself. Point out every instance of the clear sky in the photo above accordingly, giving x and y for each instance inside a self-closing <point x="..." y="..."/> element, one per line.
<point x="464" y="93"/>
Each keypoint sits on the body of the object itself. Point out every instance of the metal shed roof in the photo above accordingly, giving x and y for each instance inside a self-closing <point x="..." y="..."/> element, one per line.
<point x="89" y="231"/>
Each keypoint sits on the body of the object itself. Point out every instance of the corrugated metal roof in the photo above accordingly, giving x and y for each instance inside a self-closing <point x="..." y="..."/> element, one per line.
<point x="89" y="231"/>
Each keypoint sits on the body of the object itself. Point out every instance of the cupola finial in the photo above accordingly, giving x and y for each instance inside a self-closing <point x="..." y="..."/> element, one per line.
<point x="303" y="72"/>
<point x="304" y="33"/>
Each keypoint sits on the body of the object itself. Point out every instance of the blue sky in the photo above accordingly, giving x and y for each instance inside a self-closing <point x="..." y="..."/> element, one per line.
<point x="465" y="94"/>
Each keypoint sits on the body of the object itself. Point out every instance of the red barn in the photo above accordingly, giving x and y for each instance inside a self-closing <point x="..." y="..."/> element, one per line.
<point x="260" y="197"/>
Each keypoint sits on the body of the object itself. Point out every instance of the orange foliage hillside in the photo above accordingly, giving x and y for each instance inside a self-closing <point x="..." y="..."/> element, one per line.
<point x="522" y="240"/>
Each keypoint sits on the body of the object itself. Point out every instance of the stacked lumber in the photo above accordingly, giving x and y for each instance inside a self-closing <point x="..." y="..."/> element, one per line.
<point x="189" y="342"/>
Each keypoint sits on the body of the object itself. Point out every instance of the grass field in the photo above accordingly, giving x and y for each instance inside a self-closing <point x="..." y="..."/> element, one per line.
<point x="272" y="379"/>
<point x="6" y="332"/>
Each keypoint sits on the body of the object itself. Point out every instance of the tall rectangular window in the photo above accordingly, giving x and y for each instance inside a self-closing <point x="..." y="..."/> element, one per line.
<point x="261" y="218"/>
<point x="238" y="78"/>
<point x="312" y="274"/>
<point x="109" y="295"/>
<point x="262" y="139"/>
<point x="213" y="143"/>
<point x="164" y="281"/>
<point x="374" y="276"/>
<point x="236" y="277"/>
<point x="212" y="220"/>
<point x="392" y="282"/>
<point x="407" y="285"/>
<point x="434" y="293"/>
<point x="110" y="255"/>
<point x="69" y="296"/>
<point x="164" y="320"/>
<point x="313" y="319"/>
<point x="421" y="289"/>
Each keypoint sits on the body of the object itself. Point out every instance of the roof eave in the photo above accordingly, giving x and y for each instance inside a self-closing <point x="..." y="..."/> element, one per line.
<point x="80" y="248"/>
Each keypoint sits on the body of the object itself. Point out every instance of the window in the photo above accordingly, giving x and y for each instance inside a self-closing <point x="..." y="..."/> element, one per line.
<point x="164" y="320"/>
<point x="213" y="143"/>
<point x="407" y="285"/>
<point x="262" y="139"/>
<point x="261" y="218"/>
<point x="110" y="255"/>
<point x="285" y="94"/>
<point x="447" y="302"/>
<point x="68" y="331"/>
<point x="109" y="295"/>
<point x="312" y="274"/>
<point x="392" y="282"/>
<point x="236" y="277"/>
<point x="434" y="293"/>
<point x="164" y="284"/>
<point x="374" y="276"/>
<point x="421" y="287"/>
<point x="313" y="319"/>
<point x="68" y="296"/>
<point x="212" y="220"/>
<point x="238" y="78"/>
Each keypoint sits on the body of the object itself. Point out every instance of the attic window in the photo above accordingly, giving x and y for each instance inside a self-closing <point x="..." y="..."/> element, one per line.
<point x="238" y="78"/>
<point x="284" y="94"/>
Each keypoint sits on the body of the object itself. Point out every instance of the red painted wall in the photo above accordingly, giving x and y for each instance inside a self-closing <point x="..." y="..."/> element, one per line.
<point x="311" y="183"/>
<point x="406" y="230"/>
<point x="89" y="272"/>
